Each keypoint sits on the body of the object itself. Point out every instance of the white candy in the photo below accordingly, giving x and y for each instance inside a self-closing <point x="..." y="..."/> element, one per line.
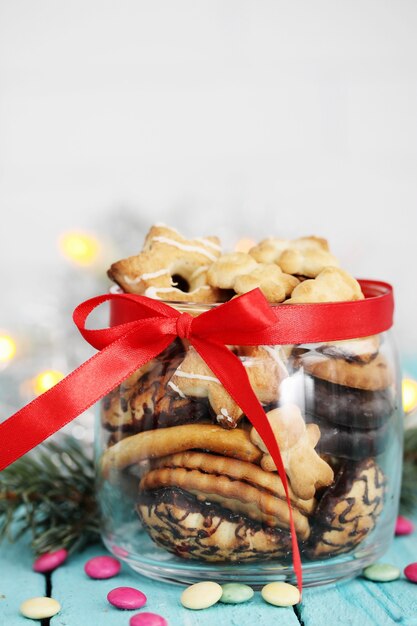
<point x="280" y="594"/>
<point x="39" y="608"/>
<point x="201" y="595"/>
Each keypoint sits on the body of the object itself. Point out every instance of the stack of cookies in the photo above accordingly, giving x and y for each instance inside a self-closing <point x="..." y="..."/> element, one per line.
<point x="205" y="486"/>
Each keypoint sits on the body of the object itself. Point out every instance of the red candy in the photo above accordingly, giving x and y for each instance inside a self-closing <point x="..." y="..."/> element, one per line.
<point x="126" y="598"/>
<point x="403" y="526"/>
<point x="102" y="567"/>
<point x="50" y="561"/>
<point x="411" y="572"/>
<point x="147" y="619"/>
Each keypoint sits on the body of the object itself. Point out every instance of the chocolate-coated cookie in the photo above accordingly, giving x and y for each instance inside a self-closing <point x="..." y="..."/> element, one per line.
<point x="149" y="402"/>
<point x="348" y="511"/>
<point x="192" y="529"/>
<point x="350" y="443"/>
<point x="354" y="408"/>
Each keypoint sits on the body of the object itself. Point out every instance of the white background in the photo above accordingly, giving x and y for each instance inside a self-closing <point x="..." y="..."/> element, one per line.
<point x="230" y="117"/>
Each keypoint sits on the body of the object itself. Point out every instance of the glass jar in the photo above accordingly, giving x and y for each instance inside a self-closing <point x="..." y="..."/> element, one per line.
<point x="188" y="491"/>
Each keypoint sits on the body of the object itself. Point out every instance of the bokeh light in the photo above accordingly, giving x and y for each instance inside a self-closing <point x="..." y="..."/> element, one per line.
<point x="409" y="392"/>
<point x="79" y="248"/>
<point x="7" y="348"/>
<point x="45" y="380"/>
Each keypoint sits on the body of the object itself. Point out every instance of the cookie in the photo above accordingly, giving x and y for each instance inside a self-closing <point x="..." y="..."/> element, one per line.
<point x="348" y="407"/>
<point x="330" y="285"/>
<point x="349" y="509"/>
<point x="145" y="400"/>
<point x="191" y="529"/>
<point x="373" y="376"/>
<point x="309" y="262"/>
<point x="350" y="443"/>
<point x="224" y="271"/>
<point x="236" y="470"/>
<point x="170" y="267"/>
<point x="361" y="350"/>
<point x="305" y="469"/>
<point x="270" y="279"/>
<point x="269" y="250"/>
<point x="153" y="444"/>
<point x="193" y="378"/>
<point x="115" y="410"/>
<point x="235" y="495"/>
<point x="240" y="273"/>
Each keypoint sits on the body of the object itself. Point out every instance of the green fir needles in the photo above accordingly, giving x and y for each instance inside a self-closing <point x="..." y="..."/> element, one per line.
<point x="50" y="494"/>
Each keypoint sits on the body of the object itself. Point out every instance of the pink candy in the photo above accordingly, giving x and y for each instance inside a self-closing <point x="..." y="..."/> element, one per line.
<point x="147" y="619"/>
<point x="403" y="526"/>
<point x="102" y="567"/>
<point x="118" y="551"/>
<point x="411" y="572"/>
<point x="126" y="598"/>
<point x="50" y="561"/>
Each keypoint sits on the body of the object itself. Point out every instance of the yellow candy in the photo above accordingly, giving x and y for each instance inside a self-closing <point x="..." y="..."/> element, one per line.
<point x="39" y="608"/>
<point x="201" y="595"/>
<point x="280" y="594"/>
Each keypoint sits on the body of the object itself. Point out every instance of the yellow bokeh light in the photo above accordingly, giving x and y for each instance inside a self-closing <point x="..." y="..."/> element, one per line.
<point x="7" y="348"/>
<point x="409" y="392"/>
<point x="45" y="380"/>
<point x="244" y="245"/>
<point x="80" y="248"/>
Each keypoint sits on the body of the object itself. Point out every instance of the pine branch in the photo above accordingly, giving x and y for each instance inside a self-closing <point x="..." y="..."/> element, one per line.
<point x="50" y="493"/>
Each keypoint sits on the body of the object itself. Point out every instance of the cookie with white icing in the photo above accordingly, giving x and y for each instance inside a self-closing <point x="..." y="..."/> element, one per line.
<point x="194" y="379"/>
<point x="170" y="267"/>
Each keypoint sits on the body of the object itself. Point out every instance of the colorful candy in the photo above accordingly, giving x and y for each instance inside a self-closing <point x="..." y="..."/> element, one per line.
<point x="102" y="567"/>
<point x="235" y="593"/>
<point x="39" y="608"/>
<point x="201" y="595"/>
<point x="403" y="526"/>
<point x="381" y="572"/>
<point x="147" y="619"/>
<point x="50" y="561"/>
<point x="126" y="598"/>
<point x="411" y="572"/>
<point x="280" y="594"/>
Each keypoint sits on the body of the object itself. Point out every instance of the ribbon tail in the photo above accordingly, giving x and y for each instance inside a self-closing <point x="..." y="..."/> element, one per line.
<point x="74" y="394"/>
<point x="232" y="374"/>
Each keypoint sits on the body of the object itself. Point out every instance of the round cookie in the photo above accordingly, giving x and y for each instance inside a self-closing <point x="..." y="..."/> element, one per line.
<point x="348" y="511"/>
<point x="361" y="350"/>
<point x="234" y="495"/>
<point x="191" y="529"/>
<point x="373" y="376"/>
<point x="346" y="406"/>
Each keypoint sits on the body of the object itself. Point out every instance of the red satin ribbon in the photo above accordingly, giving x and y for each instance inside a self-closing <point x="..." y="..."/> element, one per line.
<point x="145" y="327"/>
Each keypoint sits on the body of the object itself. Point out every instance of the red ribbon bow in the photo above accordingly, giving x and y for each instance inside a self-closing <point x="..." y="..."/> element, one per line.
<point x="146" y="327"/>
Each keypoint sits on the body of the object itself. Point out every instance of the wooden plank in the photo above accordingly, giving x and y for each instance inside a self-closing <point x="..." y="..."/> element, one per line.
<point x="357" y="602"/>
<point x="81" y="597"/>
<point x="365" y="602"/>
<point x="18" y="582"/>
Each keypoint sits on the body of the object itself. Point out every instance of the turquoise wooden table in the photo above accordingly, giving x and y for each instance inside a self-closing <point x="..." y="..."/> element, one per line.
<point x="354" y="603"/>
